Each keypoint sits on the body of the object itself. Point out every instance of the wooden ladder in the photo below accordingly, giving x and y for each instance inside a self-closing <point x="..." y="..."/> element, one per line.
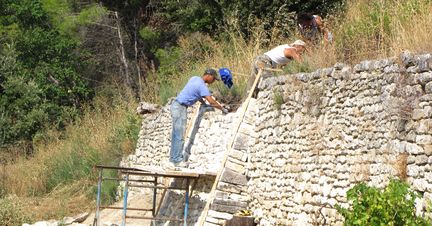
<point x="227" y="152"/>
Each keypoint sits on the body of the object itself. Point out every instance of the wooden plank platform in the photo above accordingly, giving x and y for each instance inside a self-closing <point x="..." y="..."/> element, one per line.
<point x="160" y="171"/>
<point x="181" y="172"/>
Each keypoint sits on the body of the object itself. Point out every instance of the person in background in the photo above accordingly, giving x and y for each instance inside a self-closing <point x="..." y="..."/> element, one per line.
<point x="277" y="57"/>
<point x="312" y="28"/>
<point x="195" y="90"/>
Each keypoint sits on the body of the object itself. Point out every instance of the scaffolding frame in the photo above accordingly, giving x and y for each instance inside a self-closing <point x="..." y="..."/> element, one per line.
<point x="153" y="184"/>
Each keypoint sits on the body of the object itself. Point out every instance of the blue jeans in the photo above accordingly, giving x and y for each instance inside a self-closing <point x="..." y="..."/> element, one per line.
<point x="179" y="118"/>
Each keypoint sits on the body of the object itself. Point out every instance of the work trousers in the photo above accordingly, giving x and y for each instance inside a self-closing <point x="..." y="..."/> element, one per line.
<point x="179" y="118"/>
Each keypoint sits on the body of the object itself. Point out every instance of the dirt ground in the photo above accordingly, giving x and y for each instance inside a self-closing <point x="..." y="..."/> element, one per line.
<point x="109" y="217"/>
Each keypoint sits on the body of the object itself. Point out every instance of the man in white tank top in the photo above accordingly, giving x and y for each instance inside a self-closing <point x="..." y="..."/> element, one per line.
<point x="280" y="56"/>
<point x="275" y="58"/>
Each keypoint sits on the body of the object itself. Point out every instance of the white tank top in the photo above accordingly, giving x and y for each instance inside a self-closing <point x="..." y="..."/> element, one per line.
<point x="277" y="54"/>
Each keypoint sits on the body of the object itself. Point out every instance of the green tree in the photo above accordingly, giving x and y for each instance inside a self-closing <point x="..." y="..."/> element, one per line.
<point x="39" y="80"/>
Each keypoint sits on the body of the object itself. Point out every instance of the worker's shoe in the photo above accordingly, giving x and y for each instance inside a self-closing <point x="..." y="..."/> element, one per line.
<point x="182" y="164"/>
<point x="168" y="165"/>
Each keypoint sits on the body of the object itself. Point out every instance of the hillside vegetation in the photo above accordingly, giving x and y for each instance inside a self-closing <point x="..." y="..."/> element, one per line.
<point x="72" y="73"/>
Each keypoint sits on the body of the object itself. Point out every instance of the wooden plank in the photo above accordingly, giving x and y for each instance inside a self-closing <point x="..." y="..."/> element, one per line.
<point x="191" y="124"/>
<point x="167" y="182"/>
<point x="159" y="171"/>
<point x="236" y="128"/>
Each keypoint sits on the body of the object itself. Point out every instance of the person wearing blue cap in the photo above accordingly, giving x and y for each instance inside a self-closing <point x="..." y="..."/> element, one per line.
<point x="195" y="90"/>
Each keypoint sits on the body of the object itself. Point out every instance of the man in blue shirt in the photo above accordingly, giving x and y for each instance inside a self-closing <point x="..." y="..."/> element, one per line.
<point x="195" y="90"/>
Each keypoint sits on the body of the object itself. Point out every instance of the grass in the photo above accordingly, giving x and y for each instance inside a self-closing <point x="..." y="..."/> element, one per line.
<point x="11" y="212"/>
<point x="366" y="30"/>
<point x="382" y="28"/>
<point x="278" y="100"/>
<point x="199" y="52"/>
<point x="59" y="179"/>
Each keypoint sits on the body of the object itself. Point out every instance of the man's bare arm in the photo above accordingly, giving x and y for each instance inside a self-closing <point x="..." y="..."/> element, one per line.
<point x="322" y="28"/>
<point x="292" y="53"/>
<point x="213" y="102"/>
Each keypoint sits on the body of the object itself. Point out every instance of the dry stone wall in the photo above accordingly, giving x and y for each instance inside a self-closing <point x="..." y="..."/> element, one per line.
<point x="308" y="138"/>
<point x="321" y="133"/>
<point x="210" y="139"/>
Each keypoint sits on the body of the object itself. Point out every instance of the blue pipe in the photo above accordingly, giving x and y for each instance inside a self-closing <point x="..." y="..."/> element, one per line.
<point x="96" y="220"/>
<point x="125" y="196"/>
<point x="187" y="203"/>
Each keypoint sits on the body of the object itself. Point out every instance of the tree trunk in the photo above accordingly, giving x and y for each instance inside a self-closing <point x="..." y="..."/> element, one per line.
<point x="122" y="53"/>
<point x="136" y="58"/>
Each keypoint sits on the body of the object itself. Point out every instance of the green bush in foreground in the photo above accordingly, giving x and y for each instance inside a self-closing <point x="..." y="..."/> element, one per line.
<point x="393" y="206"/>
<point x="11" y="213"/>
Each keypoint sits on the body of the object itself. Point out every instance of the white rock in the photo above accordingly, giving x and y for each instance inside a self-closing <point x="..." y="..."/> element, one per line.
<point x="413" y="148"/>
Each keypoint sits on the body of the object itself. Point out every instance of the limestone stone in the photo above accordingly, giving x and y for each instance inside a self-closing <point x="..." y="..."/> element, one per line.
<point x="407" y="58"/>
<point x="420" y="185"/>
<point x="428" y="88"/>
<point x="428" y="149"/>
<point x="424" y="139"/>
<point x="424" y="62"/>
<point x="421" y="160"/>
<point x="219" y="215"/>
<point x="232" y="188"/>
<point x="210" y="221"/>
<point x="424" y="78"/>
<point x="235" y="166"/>
<point x="225" y="208"/>
<point x="413" y="148"/>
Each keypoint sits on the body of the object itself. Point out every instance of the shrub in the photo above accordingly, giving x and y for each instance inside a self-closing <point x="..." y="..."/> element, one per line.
<point x="278" y="100"/>
<point x="11" y="213"/>
<point x="375" y="29"/>
<point x="393" y="206"/>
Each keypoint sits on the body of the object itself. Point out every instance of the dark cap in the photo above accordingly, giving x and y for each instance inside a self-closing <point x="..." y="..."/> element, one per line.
<point x="212" y="72"/>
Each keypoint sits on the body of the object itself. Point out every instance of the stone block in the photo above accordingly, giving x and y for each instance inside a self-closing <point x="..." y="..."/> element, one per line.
<point x="363" y="66"/>
<point x="407" y="59"/>
<point x="230" y="187"/>
<point x="428" y="88"/>
<point x="222" y="195"/>
<point x="229" y="202"/>
<point x="241" y="142"/>
<point x="236" y="165"/>
<point x="413" y="170"/>
<point x="231" y="176"/>
<point x="208" y="223"/>
<point x="424" y="139"/>
<point x="418" y="114"/>
<point x="428" y="149"/>
<point x="420" y="185"/>
<point x="413" y="148"/>
<point x="225" y="208"/>
<point x="237" y="154"/>
<point x="424" y="78"/>
<point x="421" y="159"/>
<point x="423" y="62"/>
<point x="213" y="221"/>
<point x="219" y="215"/>
<point x="381" y="64"/>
